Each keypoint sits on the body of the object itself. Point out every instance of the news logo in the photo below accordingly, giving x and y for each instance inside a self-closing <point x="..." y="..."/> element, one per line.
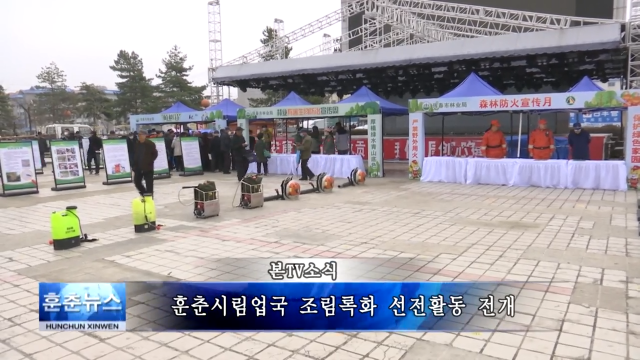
<point x="82" y="307"/>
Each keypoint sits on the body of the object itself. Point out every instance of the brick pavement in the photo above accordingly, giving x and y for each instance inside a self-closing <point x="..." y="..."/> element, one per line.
<point x="578" y="251"/>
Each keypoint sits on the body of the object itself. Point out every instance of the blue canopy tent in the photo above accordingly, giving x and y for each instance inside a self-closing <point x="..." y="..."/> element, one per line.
<point x="178" y="108"/>
<point x="292" y="99"/>
<point x="584" y="85"/>
<point x="228" y="108"/>
<point x="472" y="86"/>
<point x="386" y="107"/>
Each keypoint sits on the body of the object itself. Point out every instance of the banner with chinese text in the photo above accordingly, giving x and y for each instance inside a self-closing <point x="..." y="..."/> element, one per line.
<point x="597" y="118"/>
<point x="416" y="145"/>
<point x="632" y="146"/>
<point x="310" y="111"/>
<point x="529" y="102"/>
<point x="375" y="169"/>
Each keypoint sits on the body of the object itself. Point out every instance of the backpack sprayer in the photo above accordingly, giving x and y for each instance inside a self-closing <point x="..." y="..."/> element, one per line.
<point x="66" y="230"/>
<point x="356" y="177"/>
<point x="251" y="194"/>
<point x="144" y="214"/>
<point x="206" y="200"/>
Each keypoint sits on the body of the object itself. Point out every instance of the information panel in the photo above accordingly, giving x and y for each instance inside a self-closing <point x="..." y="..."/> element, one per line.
<point x="116" y="159"/>
<point x="67" y="163"/>
<point x="17" y="166"/>
<point x="191" y="154"/>
<point x="161" y="164"/>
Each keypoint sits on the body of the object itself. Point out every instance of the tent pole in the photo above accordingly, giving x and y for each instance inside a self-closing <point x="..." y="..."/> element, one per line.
<point x="442" y="138"/>
<point x="519" y="136"/>
<point x="510" y="131"/>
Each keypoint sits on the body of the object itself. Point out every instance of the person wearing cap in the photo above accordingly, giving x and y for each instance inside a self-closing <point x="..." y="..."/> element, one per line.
<point x="541" y="142"/>
<point x="145" y="153"/>
<point x="579" y="140"/>
<point x="238" y="147"/>
<point x="305" y="147"/>
<point x="494" y="145"/>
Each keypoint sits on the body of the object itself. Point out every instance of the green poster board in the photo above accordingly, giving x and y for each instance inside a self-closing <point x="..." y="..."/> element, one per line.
<point x="161" y="165"/>
<point x="18" y="169"/>
<point x="68" y="172"/>
<point x="191" y="156"/>
<point x="116" y="161"/>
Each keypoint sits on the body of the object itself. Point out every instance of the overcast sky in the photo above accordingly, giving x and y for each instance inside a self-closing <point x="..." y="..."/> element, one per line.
<point x="83" y="37"/>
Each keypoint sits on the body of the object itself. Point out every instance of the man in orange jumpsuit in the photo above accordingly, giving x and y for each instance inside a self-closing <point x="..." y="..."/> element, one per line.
<point x="541" y="142"/>
<point x="494" y="145"/>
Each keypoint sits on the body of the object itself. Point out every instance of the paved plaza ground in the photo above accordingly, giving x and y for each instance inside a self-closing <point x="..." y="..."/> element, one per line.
<point x="579" y="251"/>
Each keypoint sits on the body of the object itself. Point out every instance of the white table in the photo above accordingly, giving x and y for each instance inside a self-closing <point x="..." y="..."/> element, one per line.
<point x="481" y="171"/>
<point x="600" y="175"/>
<point x="545" y="174"/>
<point x="559" y="174"/>
<point x="444" y="169"/>
<point x="339" y="166"/>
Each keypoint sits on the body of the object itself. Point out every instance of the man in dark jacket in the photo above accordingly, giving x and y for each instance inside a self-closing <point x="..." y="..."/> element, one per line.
<point x="42" y="146"/>
<point x="215" y="152"/>
<point x="579" y="141"/>
<point x="252" y="141"/>
<point x="238" y="147"/>
<point x="168" y="140"/>
<point x="225" y="148"/>
<point x="93" y="152"/>
<point x="145" y="154"/>
<point x="304" y="146"/>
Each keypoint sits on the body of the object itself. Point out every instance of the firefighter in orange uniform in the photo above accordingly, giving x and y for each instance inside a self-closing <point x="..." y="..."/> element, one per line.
<point x="494" y="145"/>
<point x="541" y="142"/>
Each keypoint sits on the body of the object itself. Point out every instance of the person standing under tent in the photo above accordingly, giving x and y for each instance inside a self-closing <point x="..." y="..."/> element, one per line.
<point x="267" y="136"/>
<point x="342" y="140"/>
<point x="238" y="148"/>
<point x="316" y="139"/>
<point x="42" y="146"/>
<point x="225" y="148"/>
<point x="252" y="141"/>
<point x="145" y="154"/>
<point x="215" y="151"/>
<point x="176" y="145"/>
<point x="494" y="145"/>
<point x="328" y="143"/>
<point x="304" y="146"/>
<point x="93" y="152"/>
<point x="579" y="141"/>
<point x="168" y="140"/>
<point x="262" y="155"/>
<point x="541" y="142"/>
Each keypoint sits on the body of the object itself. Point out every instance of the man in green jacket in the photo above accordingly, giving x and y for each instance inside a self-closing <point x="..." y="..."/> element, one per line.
<point x="304" y="146"/>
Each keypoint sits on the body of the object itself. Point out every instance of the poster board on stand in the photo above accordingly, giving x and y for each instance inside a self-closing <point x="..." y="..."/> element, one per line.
<point x="375" y="159"/>
<point x="632" y="147"/>
<point x="37" y="160"/>
<point x="66" y="159"/>
<point x="161" y="164"/>
<point x="116" y="162"/>
<point x="85" y="153"/>
<point x="191" y="156"/>
<point x="416" y="145"/>
<point x="17" y="165"/>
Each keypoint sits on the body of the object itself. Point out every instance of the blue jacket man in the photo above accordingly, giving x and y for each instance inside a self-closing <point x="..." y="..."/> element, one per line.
<point x="579" y="141"/>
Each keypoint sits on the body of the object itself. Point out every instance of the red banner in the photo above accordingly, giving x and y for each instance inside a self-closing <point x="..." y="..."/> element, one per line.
<point x="397" y="148"/>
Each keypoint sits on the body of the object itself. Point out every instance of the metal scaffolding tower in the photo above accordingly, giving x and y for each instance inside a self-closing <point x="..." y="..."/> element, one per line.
<point x="215" y="48"/>
<point x="280" y="42"/>
<point x="327" y="44"/>
<point x="633" y="43"/>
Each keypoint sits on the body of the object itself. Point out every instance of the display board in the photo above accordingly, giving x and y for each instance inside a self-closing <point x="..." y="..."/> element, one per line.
<point x="375" y="168"/>
<point x="66" y="159"/>
<point x="161" y="164"/>
<point x="116" y="161"/>
<point x="35" y="147"/>
<point x="416" y="145"/>
<point x="18" y="169"/>
<point x="85" y="152"/>
<point x="191" y="156"/>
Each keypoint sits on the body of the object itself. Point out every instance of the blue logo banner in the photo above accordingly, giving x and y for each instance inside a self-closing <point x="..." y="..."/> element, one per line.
<point x="82" y="306"/>
<point x="597" y="118"/>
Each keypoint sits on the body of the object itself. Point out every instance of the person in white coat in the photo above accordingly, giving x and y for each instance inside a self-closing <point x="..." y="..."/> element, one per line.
<point x="176" y="145"/>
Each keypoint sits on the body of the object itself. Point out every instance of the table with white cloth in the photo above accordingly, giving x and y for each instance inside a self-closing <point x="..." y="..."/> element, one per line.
<point x="444" y="169"/>
<point x="600" y="175"/>
<point x="545" y="174"/>
<point x="559" y="174"/>
<point x="481" y="171"/>
<point x="338" y="166"/>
